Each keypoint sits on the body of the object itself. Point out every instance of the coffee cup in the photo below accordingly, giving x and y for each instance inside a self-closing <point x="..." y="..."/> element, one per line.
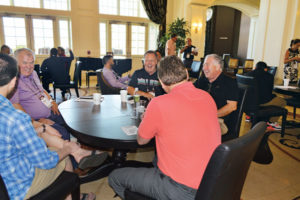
<point x="97" y="98"/>
<point x="123" y="95"/>
<point x="286" y="82"/>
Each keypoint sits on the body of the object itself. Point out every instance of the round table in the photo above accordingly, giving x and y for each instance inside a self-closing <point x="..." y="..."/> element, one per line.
<point x="290" y="90"/>
<point x="293" y="91"/>
<point x="100" y="126"/>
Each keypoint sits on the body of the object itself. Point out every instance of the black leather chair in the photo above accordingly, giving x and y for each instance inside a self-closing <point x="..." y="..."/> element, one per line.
<point x="234" y="123"/>
<point x="72" y="84"/>
<point x="272" y="70"/>
<point x="105" y="87"/>
<point x="259" y="113"/>
<point x="227" y="169"/>
<point x="88" y="74"/>
<point x="295" y="103"/>
<point x="67" y="183"/>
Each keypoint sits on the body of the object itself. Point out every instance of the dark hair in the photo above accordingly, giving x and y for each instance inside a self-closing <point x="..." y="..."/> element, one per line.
<point x="4" y="47"/>
<point x="173" y="35"/>
<point x="171" y="70"/>
<point x="8" y="69"/>
<point x="150" y="52"/>
<point x="295" y="41"/>
<point x="261" y="65"/>
<point x="53" y="52"/>
<point x="61" y="48"/>
<point x="106" y="58"/>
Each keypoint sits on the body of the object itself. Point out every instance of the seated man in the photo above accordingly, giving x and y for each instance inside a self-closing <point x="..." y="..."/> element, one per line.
<point x="32" y="98"/>
<point x="27" y="166"/>
<point x="186" y="130"/>
<point x="146" y="79"/>
<point x="222" y="88"/>
<point x="265" y="83"/>
<point x="111" y="76"/>
<point x="57" y="69"/>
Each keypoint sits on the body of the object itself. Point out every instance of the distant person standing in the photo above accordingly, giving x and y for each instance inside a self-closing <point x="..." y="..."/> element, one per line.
<point x="5" y="49"/>
<point x="291" y="61"/>
<point x="189" y="51"/>
<point x="170" y="49"/>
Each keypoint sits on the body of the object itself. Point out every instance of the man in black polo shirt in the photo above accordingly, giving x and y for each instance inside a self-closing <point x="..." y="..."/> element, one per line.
<point x="55" y="68"/>
<point x="265" y="82"/>
<point x="222" y="88"/>
<point x="189" y="51"/>
<point x="146" y="79"/>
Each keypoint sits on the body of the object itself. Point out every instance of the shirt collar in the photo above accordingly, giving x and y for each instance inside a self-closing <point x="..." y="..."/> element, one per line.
<point x="4" y="99"/>
<point x="25" y="77"/>
<point x="181" y="86"/>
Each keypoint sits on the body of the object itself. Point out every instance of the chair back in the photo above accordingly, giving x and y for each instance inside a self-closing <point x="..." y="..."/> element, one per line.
<point x="272" y="70"/>
<point x="227" y="169"/>
<point x="76" y="73"/>
<point x="105" y="87"/>
<point x="234" y="124"/>
<point x="195" y="69"/>
<point x="233" y="63"/>
<point x="248" y="64"/>
<point x="248" y="84"/>
<point x="3" y="190"/>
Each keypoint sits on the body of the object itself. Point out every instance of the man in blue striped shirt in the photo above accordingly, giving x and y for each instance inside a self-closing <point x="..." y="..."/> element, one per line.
<point x="27" y="165"/>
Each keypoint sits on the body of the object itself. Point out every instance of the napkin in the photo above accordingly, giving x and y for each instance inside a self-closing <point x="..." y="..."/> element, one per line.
<point x="130" y="130"/>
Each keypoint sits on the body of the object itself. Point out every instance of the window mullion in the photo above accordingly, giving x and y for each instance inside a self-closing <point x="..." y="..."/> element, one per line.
<point x="128" y="40"/>
<point x="41" y="3"/>
<point x="29" y="32"/>
<point x="2" y="39"/>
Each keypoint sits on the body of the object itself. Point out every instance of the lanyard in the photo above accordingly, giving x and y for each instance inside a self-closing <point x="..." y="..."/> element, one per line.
<point x="36" y="90"/>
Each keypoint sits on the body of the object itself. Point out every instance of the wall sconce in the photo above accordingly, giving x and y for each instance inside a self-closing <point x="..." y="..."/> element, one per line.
<point x="197" y="27"/>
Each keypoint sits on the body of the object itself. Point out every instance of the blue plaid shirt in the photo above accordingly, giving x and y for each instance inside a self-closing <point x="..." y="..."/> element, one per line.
<point x="21" y="150"/>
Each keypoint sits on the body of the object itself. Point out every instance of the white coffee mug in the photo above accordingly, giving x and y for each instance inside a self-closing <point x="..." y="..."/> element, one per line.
<point x="123" y="95"/>
<point x="97" y="98"/>
<point x="286" y="82"/>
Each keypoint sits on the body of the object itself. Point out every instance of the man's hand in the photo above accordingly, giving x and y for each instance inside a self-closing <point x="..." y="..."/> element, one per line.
<point x="54" y="108"/>
<point x="46" y="121"/>
<point x="148" y="96"/>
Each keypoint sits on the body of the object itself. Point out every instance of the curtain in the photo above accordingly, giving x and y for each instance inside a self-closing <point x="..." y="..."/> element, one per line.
<point x="156" y="11"/>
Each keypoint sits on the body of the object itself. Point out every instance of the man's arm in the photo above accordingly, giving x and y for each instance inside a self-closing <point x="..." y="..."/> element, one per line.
<point x="131" y="90"/>
<point x="183" y="49"/>
<point x="142" y="141"/>
<point x="227" y="109"/>
<point x="54" y="106"/>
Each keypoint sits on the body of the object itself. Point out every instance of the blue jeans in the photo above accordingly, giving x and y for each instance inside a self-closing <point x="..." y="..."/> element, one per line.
<point x="59" y="125"/>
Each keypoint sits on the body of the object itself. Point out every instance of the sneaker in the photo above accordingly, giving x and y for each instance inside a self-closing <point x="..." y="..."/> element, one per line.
<point x="275" y="125"/>
<point x="248" y="118"/>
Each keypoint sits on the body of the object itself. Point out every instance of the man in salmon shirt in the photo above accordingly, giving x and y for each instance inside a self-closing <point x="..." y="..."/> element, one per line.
<point x="185" y="125"/>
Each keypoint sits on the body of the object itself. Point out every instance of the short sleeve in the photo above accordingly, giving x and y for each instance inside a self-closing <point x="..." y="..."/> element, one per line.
<point x="232" y="93"/>
<point x="133" y="82"/>
<point x="149" y="127"/>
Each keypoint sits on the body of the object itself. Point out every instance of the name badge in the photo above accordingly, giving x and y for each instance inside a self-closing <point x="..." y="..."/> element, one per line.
<point x="46" y="101"/>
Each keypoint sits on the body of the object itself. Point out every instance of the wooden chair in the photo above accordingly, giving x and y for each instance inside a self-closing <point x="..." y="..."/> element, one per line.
<point x="248" y="65"/>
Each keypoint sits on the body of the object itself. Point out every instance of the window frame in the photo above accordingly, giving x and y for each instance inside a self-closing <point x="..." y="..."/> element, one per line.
<point x="12" y="3"/>
<point x="29" y="29"/>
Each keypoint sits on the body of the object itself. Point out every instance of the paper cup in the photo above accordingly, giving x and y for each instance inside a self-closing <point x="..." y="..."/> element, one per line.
<point x="97" y="98"/>
<point x="123" y="95"/>
<point x="286" y="82"/>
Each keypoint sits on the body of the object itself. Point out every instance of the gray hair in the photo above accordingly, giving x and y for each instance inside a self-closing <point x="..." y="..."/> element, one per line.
<point x="218" y="60"/>
<point x="26" y="50"/>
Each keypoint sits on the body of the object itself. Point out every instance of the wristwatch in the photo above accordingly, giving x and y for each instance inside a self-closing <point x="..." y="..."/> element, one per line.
<point x="44" y="128"/>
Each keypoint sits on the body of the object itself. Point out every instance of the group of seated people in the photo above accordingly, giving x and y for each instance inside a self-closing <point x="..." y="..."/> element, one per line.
<point x="185" y="118"/>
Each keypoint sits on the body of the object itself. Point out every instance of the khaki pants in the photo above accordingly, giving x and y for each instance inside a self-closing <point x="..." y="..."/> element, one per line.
<point x="44" y="178"/>
<point x="276" y="101"/>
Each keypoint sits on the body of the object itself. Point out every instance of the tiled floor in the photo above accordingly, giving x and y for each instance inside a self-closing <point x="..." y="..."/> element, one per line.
<point x="279" y="180"/>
